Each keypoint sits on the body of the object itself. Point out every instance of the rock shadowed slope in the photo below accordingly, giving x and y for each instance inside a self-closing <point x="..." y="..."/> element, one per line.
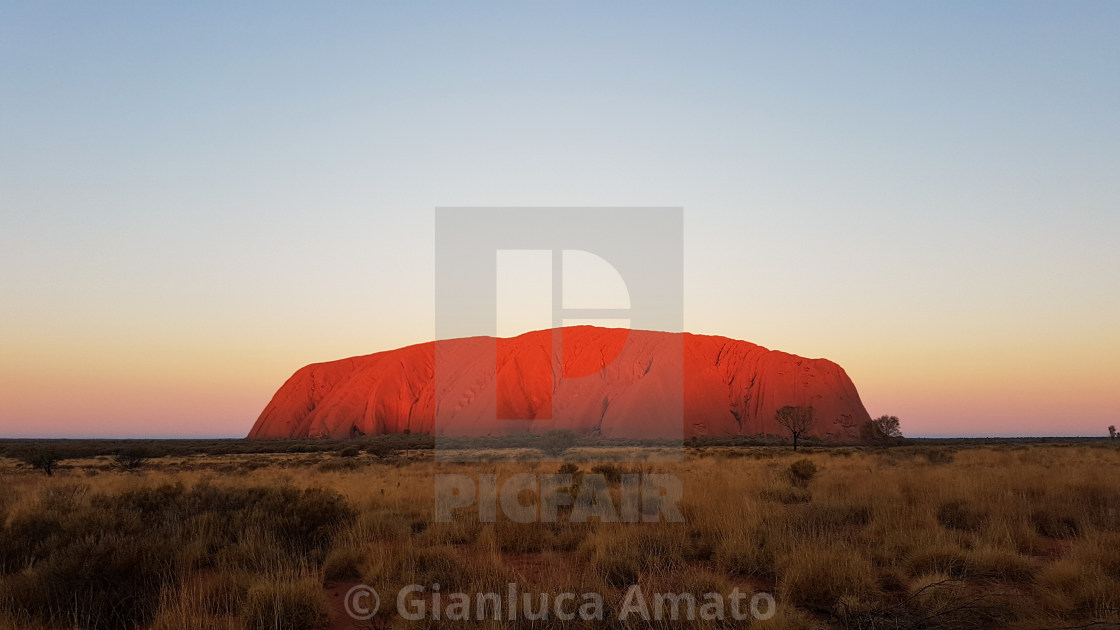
<point x="613" y="381"/>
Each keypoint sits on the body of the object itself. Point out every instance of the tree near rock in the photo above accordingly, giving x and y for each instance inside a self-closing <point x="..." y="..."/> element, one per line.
<point x="796" y="420"/>
<point x="881" y="430"/>
<point x="1112" y="431"/>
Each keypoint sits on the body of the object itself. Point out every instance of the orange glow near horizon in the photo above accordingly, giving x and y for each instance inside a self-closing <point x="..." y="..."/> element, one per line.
<point x="194" y="390"/>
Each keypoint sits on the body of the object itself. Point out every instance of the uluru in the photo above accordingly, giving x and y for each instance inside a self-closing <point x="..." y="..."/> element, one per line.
<point x="605" y="382"/>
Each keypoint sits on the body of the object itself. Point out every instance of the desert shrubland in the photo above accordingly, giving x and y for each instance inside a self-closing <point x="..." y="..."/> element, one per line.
<point x="1020" y="536"/>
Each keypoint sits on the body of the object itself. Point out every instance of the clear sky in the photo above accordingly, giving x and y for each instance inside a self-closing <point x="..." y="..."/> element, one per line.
<point x="198" y="198"/>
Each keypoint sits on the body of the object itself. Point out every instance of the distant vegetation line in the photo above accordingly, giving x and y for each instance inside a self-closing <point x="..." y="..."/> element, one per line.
<point x="163" y="447"/>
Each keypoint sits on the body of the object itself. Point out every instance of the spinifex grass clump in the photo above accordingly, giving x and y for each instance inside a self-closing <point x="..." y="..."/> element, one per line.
<point x="102" y="560"/>
<point x="801" y="472"/>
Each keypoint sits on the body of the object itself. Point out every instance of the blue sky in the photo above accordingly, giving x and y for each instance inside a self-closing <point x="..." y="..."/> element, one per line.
<point x="197" y="199"/>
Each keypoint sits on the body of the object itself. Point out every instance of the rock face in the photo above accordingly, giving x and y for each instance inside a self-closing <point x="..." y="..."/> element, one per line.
<point x="612" y="381"/>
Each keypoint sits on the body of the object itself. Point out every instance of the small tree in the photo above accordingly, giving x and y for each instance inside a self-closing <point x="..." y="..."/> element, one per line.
<point x="42" y="459"/>
<point x="796" y="420"/>
<point x="130" y="459"/>
<point x="881" y="429"/>
<point x="1112" y="431"/>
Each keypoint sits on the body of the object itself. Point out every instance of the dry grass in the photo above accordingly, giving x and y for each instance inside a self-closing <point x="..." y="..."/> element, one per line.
<point x="1022" y="537"/>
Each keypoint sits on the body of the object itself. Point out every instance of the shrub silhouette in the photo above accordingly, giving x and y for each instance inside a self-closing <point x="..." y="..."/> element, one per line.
<point x="383" y="450"/>
<point x="555" y="443"/>
<point x="130" y="459"/>
<point x="801" y="472"/>
<point x="44" y="459"/>
<point x="881" y="430"/>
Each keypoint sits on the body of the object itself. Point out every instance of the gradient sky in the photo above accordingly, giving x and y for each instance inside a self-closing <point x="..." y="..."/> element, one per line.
<point x="196" y="199"/>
